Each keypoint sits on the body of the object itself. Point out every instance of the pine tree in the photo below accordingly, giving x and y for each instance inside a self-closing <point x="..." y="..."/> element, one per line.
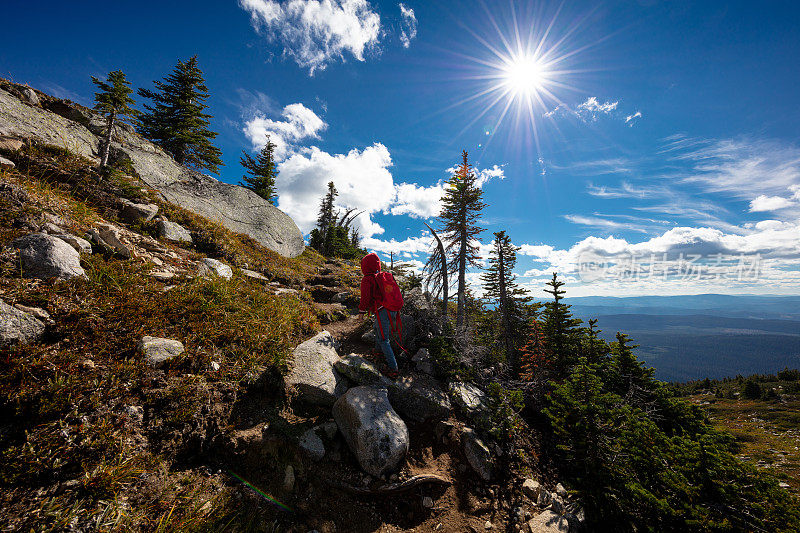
<point x="596" y="349"/>
<point x="114" y="101"/>
<point x="499" y="284"/>
<point x="560" y="328"/>
<point x="262" y="171"/>
<point x="177" y="122"/>
<point x="535" y="359"/>
<point x="436" y="279"/>
<point x="630" y="376"/>
<point x="461" y="207"/>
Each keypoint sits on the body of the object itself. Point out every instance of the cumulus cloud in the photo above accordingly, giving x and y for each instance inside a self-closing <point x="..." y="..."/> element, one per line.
<point x="592" y="107"/>
<point x="763" y="202"/>
<point x="299" y="123"/>
<point x="408" y="25"/>
<point x="483" y="175"/>
<point x="362" y="178"/>
<point x="416" y="201"/>
<point x="315" y="33"/>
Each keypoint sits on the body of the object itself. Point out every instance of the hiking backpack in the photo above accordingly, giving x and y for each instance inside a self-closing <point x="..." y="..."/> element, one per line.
<point x="388" y="291"/>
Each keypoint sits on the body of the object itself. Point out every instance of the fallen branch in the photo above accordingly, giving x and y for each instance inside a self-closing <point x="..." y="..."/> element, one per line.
<point x="393" y="488"/>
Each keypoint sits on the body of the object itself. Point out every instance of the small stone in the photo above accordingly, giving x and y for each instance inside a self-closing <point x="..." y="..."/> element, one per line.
<point x="288" y="479"/>
<point x="427" y="502"/>
<point x="561" y="491"/>
<point x="17" y="326"/>
<point x="52" y="229"/>
<point x="312" y="445"/>
<point x="488" y="525"/>
<point x="172" y="231"/>
<point x="156" y="261"/>
<point x="548" y="522"/>
<point x="29" y="96"/>
<point x="531" y="488"/>
<point x="162" y="275"/>
<point x="253" y="275"/>
<point x="214" y="366"/>
<point x="6" y="163"/>
<point x="12" y="145"/>
<point x="82" y="246"/>
<point x="209" y="267"/>
<point x="108" y="235"/>
<point x="156" y="350"/>
<point x="132" y="212"/>
<point x="38" y="312"/>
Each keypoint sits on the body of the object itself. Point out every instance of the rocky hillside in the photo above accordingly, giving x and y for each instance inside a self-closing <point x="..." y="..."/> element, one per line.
<point x="162" y="372"/>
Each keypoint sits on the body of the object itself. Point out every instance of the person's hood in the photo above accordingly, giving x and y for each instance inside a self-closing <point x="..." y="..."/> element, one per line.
<point x="370" y="264"/>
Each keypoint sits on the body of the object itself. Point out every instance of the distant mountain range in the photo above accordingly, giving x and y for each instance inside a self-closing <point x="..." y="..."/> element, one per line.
<point x="707" y="335"/>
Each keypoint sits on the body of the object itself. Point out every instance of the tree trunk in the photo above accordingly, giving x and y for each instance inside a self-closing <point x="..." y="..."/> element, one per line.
<point x="107" y="140"/>
<point x="462" y="282"/>
<point x="445" y="281"/>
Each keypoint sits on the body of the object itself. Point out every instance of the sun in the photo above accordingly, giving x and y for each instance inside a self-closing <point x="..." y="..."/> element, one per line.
<point x="524" y="75"/>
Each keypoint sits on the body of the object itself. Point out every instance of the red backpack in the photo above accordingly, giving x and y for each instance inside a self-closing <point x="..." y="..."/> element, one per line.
<point x="389" y="293"/>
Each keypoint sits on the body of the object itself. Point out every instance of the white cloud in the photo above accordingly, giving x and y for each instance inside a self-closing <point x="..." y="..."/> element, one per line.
<point x="763" y="202"/>
<point x="416" y="201"/>
<point x="592" y="107"/>
<point x="604" y="223"/>
<point x="408" y="25"/>
<point x="411" y="245"/>
<point x="483" y="175"/>
<point x="315" y="33"/>
<point x="362" y="178"/>
<point x="300" y="123"/>
<point x="630" y="120"/>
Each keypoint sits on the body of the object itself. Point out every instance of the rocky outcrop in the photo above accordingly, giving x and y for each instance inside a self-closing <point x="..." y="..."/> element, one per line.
<point x="17" y="326"/>
<point x="236" y="208"/>
<point x="44" y="256"/>
<point x="313" y="377"/>
<point x="372" y="429"/>
<point x="158" y="351"/>
<point x="212" y="267"/>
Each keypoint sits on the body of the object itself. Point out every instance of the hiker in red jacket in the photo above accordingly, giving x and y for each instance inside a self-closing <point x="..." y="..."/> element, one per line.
<point x="381" y="295"/>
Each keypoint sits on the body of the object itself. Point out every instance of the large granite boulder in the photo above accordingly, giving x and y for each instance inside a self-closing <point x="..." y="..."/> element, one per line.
<point x="373" y="431"/>
<point x="416" y="397"/>
<point x="467" y="396"/>
<point x="213" y="267"/>
<point x="235" y="207"/>
<point x="313" y="376"/>
<point x="419" y="398"/>
<point x="17" y="326"/>
<point x="132" y="212"/>
<point x="44" y="256"/>
<point x="172" y="231"/>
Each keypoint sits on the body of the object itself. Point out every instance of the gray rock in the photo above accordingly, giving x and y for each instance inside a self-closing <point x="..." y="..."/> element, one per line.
<point x="162" y="275"/>
<point x="43" y="256"/>
<point x="342" y="297"/>
<point x="372" y="429"/>
<point x="132" y="212"/>
<point x="427" y="502"/>
<point x="361" y="371"/>
<point x="313" y="376"/>
<point x="172" y="231"/>
<point x="82" y="246"/>
<point x="253" y="275"/>
<point x="369" y="337"/>
<point x="467" y="396"/>
<point x="548" y="522"/>
<point x="107" y="236"/>
<point x="235" y="207"/>
<point x="531" y="488"/>
<point x="423" y="361"/>
<point x="12" y="145"/>
<point x="288" y="479"/>
<point x="24" y="121"/>
<point x="561" y="491"/>
<point x="212" y="267"/>
<point x="477" y="453"/>
<point x="29" y="96"/>
<point x="419" y="398"/>
<point x="312" y="444"/>
<point x="6" y="163"/>
<point x="17" y="326"/>
<point x="157" y="351"/>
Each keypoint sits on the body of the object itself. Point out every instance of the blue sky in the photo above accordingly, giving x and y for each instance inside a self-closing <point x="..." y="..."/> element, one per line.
<point x="660" y="154"/>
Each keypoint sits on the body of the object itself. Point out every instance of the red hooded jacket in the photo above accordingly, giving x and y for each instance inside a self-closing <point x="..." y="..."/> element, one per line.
<point x="370" y="265"/>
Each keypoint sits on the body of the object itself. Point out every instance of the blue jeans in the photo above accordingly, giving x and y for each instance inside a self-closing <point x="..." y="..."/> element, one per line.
<point x="383" y="342"/>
